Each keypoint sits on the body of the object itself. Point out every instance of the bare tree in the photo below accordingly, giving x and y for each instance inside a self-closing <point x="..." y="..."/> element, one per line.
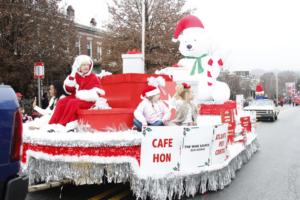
<point x="298" y="84"/>
<point x="233" y="81"/>
<point x="30" y="31"/>
<point x="269" y="82"/>
<point x="124" y="31"/>
<point x="246" y="87"/>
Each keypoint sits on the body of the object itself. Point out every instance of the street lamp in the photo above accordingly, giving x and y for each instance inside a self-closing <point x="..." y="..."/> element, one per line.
<point x="276" y="77"/>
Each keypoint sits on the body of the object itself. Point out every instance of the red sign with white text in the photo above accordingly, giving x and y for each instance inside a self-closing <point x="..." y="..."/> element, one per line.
<point x="227" y="116"/>
<point x="39" y="70"/>
<point x="246" y="123"/>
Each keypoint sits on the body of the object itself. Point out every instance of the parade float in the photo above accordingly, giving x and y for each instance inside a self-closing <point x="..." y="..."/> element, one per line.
<point x="161" y="161"/>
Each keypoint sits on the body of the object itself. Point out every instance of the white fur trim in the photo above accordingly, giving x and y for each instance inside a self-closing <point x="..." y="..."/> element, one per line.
<point x="158" y="81"/>
<point x="89" y="95"/>
<point x="103" y="73"/>
<point x="57" y="128"/>
<point x="64" y="87"/>
<point x="99" y="91"/>
<point x="72" y="125"/>
<point x="70" y="83"/>
<point x="101" y="104"/>
<point x="152" y="93"/>
<point x="174" y="40"/>
<point x="76" y="65"/>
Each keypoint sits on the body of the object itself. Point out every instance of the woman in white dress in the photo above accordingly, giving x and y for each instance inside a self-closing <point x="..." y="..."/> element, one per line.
<point x="56" y="92"/>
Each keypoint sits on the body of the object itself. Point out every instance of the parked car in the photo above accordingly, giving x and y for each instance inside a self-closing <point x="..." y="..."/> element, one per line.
<point x="12" y="185"/>
<point x="264" y="108"/>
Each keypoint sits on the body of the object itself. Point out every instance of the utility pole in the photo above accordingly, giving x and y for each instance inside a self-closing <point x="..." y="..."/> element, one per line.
<point x="143" y="29"/>
<point x="276" y="76"/>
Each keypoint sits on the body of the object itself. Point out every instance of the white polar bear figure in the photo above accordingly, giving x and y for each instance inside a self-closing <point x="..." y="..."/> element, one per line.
<point x="198" y="64"/>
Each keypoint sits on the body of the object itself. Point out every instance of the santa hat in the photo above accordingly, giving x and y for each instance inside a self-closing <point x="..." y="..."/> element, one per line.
<point x="259" y="89"/>
<point x="19" y="94"/>
<point x="150" y="91"/>
<point x="189" y="21"/>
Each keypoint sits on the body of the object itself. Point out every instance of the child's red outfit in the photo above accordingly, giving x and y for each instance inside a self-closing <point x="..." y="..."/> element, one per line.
<point x="84" y="89"/>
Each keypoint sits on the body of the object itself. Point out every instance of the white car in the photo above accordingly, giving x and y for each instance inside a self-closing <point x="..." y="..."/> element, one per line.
<point x="264" y="108"/>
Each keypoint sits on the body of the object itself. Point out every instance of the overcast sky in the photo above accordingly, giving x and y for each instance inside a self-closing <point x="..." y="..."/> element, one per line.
<point x="250" y="34"/>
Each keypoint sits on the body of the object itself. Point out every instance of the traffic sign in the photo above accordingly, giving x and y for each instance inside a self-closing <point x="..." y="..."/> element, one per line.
<point x="39" y="70"/>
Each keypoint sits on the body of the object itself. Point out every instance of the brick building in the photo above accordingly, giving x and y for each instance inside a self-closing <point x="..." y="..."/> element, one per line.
<point x="89" y="42"/>
<point x="88" y="38"/>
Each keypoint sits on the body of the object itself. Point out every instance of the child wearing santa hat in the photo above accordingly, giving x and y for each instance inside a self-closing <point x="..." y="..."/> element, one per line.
<point x="186" y="110"/>
<point x="151" y="111"/>
<point x="83" y="88"/>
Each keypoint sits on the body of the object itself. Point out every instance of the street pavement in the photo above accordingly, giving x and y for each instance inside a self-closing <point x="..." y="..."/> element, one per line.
<point x="272" y="174"/>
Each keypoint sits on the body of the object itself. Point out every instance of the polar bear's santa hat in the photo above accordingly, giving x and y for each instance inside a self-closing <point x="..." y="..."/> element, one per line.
<point x="189" y="21"/>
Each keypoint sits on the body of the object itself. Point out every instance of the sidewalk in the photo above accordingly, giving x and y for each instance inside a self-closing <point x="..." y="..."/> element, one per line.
<point x="287" y="107"/>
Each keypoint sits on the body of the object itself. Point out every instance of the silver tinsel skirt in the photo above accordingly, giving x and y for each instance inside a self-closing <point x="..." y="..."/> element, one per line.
<point x="172" y="185"/>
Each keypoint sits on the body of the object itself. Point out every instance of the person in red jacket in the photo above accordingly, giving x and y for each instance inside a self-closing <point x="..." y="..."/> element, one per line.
<point x="83" y="88"/>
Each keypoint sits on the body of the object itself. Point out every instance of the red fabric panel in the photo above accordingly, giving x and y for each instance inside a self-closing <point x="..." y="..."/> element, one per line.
<point x="215" y="109"/>
<point x="131" y="151"/>
<point x="115" y="118"/>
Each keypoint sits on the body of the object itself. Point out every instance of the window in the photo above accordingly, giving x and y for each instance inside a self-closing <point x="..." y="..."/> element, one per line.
<point x="77" y="46"/>
<point x="99" y="52"/>
<point x="90" y="48"/>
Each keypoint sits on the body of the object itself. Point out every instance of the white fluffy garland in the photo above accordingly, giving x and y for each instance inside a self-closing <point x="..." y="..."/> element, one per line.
<point x="83" y="139"/>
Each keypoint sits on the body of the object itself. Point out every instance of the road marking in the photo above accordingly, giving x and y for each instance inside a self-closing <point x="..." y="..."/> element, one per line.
<point x="106" y="193"/>
<point x="120" y="195"/>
